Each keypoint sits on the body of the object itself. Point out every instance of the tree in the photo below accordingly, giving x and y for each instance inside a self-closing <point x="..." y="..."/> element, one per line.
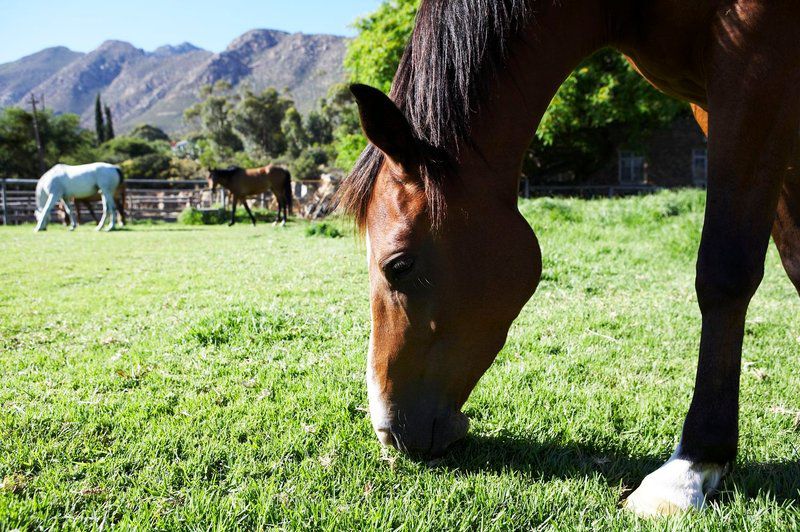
<point x="99" y="125"/>
<point x="109" y="129"/>
<point x="602" y="105"/>
<point x="294" y="132"/>
<point x="258" y="119"/>
<point x="215" y="116"/>
<point x="62" y="136"/>
<point x="372" y="57"/>
<point x="148" y="132"/>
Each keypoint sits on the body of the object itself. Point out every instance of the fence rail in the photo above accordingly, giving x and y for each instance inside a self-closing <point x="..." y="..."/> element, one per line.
<point x="164" y="199"/>
<point x="145" y="199"/>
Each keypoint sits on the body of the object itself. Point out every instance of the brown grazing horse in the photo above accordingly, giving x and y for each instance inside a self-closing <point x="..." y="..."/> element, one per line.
<point x="452" y="261"/>
<point x="245" y="183"/>
<point x="119" y="199"/>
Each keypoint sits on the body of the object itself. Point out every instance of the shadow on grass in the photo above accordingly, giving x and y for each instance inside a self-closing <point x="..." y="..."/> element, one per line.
<point x="557" y="460"/>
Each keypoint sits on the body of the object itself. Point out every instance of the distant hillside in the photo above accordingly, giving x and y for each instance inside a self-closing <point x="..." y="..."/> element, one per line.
<point x="18" y="78"/>
<point x="155" y="87"/>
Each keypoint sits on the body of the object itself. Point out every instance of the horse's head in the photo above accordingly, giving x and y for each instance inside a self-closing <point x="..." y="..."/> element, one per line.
<point x="444" y="289"/>
<point x="212" y="179"/>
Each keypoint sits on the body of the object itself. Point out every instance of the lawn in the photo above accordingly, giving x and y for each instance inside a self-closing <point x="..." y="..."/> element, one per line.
<point x="165" y="377"/>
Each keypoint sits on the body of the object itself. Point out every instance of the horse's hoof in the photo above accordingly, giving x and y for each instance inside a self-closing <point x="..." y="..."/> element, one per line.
<point x="676" y="487"/>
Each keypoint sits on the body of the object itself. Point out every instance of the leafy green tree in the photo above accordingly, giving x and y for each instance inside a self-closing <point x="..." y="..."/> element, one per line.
<point x="602" y="105"/>
<point x="372" y="57"/>
<point x="63" y="138"/>
<point x="148" y="132"/>
<point x="258" y="119"/>
<point x="318" y="128"/>
<point x="109" y="127"/>
<point x="124" y="148"/>
<point x="214" y="114"/>
<point x="99" y="125"/>
<point x="295" y="133"/>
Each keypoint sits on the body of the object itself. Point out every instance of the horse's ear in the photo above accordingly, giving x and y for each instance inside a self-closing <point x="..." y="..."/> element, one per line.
<point x="384" y="124"/>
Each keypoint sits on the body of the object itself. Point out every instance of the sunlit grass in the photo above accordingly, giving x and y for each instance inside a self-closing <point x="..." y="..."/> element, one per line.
<point x="211" y="377"/>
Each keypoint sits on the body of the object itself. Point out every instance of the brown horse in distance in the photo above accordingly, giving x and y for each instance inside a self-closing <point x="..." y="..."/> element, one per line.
<point x="119" y="199"/>
<point x="451" y="259"/>
<point x="244" y="183"/>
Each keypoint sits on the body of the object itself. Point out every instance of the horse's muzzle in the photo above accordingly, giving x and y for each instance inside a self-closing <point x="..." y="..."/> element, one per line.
<point x="430" y="439"/>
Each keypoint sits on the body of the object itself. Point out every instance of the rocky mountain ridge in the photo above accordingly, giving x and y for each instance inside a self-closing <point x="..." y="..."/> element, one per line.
<point x="156" y="87"/>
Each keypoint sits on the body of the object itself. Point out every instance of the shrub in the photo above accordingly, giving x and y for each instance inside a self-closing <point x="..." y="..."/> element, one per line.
<point x="191" y="216"/>
<point x="324" y="229"/>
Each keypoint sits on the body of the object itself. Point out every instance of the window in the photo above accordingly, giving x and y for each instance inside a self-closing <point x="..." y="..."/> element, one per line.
<point x="631" y="168"/>
<point x="700" y="167"/>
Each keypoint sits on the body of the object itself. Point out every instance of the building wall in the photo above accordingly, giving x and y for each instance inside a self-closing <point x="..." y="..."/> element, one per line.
<point x="669" y="153"/>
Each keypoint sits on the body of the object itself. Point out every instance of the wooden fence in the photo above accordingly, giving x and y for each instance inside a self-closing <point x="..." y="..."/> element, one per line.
<point x="145" y="200"/>
<point x="164" y="200"/>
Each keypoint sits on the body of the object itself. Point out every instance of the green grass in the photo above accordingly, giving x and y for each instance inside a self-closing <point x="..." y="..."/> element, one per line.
<point x="212" y="378"/>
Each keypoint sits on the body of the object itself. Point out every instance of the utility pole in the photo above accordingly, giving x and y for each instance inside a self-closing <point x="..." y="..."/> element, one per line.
<point x="39" y="146"/>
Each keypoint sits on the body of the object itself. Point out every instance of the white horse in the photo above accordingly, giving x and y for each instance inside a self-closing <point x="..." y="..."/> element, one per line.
<point x="63" y="182"/>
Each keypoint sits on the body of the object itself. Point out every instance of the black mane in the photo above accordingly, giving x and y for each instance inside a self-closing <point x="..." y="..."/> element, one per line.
<point x="226" y="172"/>
<point x="456" y="50"/>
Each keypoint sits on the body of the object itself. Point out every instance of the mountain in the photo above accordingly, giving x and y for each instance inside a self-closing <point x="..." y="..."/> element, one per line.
<point x="19" y="77"/>
<point x="156" y="87"/>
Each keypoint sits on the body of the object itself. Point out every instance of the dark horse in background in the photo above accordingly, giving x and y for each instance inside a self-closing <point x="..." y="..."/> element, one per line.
<point x="120" y="196"/>
<point x="244" y="183"/>
<point x="451" y="259"/>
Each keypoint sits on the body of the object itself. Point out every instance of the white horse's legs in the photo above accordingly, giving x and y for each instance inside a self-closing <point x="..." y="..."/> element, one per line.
<point x="109" y="211"/>
<point x="70" y="214"/>
<point x="44" y="216"/>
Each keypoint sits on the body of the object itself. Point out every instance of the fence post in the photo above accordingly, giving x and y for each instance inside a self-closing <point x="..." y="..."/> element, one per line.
<point x="5" y="203"/>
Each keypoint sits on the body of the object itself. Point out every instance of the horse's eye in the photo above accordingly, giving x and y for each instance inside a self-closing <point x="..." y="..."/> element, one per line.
<point x="399" y="268"/>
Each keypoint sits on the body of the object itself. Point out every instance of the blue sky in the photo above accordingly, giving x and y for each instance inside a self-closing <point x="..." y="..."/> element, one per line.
<point x="27" y="26"/>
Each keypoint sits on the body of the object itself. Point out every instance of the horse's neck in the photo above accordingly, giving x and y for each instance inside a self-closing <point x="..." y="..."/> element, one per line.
<point x="552" y="45"/>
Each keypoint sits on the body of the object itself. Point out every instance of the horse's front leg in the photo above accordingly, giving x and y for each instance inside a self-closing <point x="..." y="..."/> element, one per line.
<point x="44" y="216"/>
<point x="752" y="134"/>
<point x="233" y="210"/>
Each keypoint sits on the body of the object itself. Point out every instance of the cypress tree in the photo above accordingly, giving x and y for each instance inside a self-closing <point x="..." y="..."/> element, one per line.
<point x="99" y="126"/>
<point x="109" y="124"/>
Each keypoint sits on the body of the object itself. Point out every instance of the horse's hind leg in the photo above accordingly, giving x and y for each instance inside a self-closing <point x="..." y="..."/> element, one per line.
<point x="786" y="229"/>
<point x="249" y="212"/>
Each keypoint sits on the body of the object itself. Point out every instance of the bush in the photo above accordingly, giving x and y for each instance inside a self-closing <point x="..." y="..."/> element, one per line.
<point x="151" y="166"/>
<point x="324" y="229"/>
<point x="191" y="216"/>
<point x="305" y="167"/>
<point x="124" y="148"/>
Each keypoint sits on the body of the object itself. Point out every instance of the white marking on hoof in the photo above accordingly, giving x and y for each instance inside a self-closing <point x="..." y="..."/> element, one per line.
<point x="677" y="486"/>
